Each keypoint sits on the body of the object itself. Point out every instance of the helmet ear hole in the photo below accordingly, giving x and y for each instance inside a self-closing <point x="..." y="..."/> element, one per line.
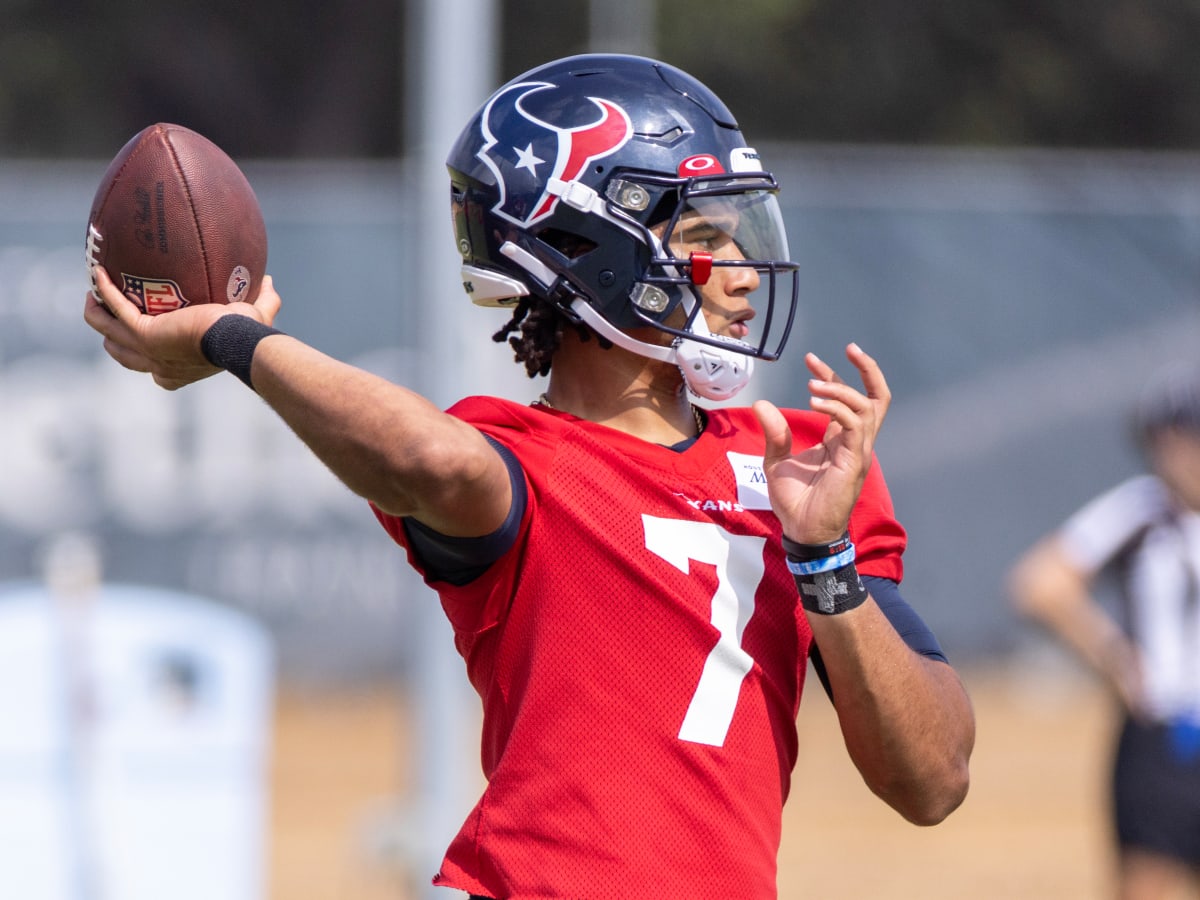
<point x="664" y="209"/>
<point x="572" y="246"/>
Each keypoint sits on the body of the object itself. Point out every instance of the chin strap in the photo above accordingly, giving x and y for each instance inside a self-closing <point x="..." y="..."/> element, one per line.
<point x="710" y="372"/>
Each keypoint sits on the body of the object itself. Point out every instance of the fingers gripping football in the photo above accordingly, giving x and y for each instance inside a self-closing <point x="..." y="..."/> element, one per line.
<point x="166" y="346"/>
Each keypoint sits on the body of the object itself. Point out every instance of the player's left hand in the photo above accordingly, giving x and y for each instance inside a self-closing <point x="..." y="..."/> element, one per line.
<point x="167" y="345"/>
<point x="813" y="491"/>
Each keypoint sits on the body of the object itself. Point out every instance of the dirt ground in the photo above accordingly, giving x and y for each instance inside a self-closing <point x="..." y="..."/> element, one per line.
<point x="1033" y="827"/>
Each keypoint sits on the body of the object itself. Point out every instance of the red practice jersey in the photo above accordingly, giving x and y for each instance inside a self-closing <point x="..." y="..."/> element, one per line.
<point x="640" y="654"/>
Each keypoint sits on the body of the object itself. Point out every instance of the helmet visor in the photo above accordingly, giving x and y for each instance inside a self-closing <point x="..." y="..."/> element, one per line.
<point x="743" y="226"/>
<point x="726" y="247"/>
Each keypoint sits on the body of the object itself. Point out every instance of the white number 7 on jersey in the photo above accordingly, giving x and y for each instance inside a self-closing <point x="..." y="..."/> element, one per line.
<point x="738" y="561"/>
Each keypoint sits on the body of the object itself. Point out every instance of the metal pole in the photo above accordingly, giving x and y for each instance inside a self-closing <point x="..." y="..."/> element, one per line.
<point x="72" y="572"/>
<point x="451" y="69"/>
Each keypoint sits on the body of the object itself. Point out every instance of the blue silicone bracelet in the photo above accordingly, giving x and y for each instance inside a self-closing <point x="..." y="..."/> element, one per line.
<point x="827" y="564"/>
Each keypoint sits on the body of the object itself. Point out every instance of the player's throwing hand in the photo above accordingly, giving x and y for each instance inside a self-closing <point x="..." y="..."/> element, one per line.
<point x="168" y="345"/>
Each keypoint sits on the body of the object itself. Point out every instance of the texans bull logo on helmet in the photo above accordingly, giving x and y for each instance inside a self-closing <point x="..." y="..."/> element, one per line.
<point x="540" y="155"/>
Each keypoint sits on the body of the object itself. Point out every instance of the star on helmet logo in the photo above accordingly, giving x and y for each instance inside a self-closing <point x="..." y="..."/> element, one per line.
<point x="568" y="137"/>
<point x="527" y="159"/>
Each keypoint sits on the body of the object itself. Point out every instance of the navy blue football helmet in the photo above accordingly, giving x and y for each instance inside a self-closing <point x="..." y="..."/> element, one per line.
<point x="572" y="183"/>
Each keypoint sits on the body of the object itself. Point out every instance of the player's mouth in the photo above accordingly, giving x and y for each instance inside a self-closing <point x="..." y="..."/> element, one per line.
<point x="739" y="327"/>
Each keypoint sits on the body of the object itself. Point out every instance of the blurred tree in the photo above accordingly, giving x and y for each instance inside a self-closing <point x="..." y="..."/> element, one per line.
<point x="261" y="79"/>
<point x="311" y="79"/>
<point x="1120" y="73"/>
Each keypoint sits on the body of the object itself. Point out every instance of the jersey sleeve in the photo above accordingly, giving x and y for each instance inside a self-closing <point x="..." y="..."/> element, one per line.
<point x="456" y="561"/>
<point x="879" y="538"/>
<point x="459" y="560"/>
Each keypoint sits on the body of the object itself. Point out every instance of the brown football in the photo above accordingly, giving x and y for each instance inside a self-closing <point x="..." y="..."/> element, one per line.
<point x="175" y="223"/>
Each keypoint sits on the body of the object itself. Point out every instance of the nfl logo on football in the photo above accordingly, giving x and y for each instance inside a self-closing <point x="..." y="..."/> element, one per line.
<point x="154" y="296"/>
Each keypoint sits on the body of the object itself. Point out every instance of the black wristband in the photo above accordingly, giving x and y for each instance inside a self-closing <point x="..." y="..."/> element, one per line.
<point x="807" y="552"/>
<point x="829" y="593"/>
<point x="230" y="342"/>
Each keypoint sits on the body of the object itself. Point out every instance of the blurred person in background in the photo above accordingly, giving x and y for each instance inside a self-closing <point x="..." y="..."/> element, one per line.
<point x="1145" y="532"/>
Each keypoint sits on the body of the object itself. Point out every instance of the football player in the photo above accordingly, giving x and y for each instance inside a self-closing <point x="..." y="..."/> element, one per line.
<point x="636" y="583"/>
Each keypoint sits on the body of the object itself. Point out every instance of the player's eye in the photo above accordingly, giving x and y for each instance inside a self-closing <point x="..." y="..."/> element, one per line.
<point x="697" y="239"/>
<point x="706" y="237"/>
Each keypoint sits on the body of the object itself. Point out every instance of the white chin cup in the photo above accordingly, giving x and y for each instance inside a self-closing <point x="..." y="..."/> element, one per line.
<point x="713" y="373"/>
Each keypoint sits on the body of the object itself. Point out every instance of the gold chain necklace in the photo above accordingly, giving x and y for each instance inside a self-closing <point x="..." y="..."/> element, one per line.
<point x="697" y="416"/>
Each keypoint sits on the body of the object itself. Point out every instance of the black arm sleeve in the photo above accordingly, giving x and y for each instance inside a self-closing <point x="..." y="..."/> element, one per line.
<point x="904" y="619"/>
<point x="460" y="560"/>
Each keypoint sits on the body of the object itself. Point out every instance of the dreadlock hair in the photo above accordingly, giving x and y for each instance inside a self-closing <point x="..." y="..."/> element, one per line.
<point x="541" y="327"/>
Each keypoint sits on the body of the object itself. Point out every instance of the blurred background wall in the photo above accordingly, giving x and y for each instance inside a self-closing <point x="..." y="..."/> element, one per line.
<point x="1001" y="203"/>
<point x="1016" y="299"/>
